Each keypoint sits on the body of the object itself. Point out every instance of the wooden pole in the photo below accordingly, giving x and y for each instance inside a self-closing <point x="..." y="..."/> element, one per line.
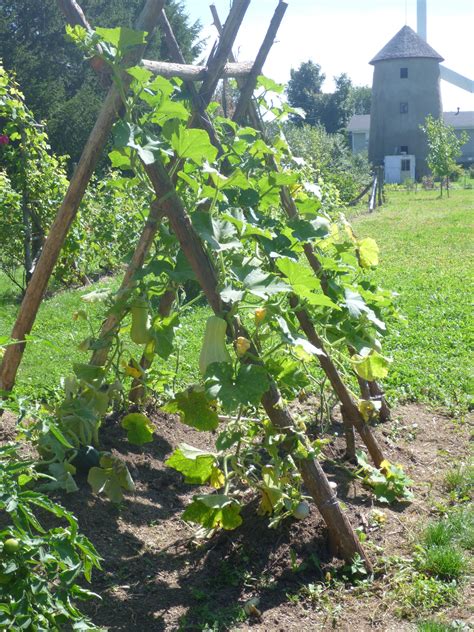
<point x="250" y="84"/>
<point x="99" y="357"/>
<point x="67" y="212"/>
<point x="220" y="54"/>
<point x="189" y="72"/>
<point x="343" y="537"/>
<point x="350" y="411"/>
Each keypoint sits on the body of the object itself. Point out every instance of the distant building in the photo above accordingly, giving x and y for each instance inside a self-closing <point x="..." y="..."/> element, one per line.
<point x="405" y="90"/>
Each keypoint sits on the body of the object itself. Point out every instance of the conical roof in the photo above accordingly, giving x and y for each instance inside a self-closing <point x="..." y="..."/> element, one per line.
<point x="406" y="43"/>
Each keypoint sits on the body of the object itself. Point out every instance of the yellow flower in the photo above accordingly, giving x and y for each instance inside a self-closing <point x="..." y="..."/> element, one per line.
<point x="260" y="314"/>
<point x="242" y="345"/>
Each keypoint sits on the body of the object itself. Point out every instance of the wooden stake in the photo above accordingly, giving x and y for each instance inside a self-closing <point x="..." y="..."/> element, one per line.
<point x="343" y="537"/>
<point x="350" y="411"/>
<point x="250" y="84"/>
<point x="189" y="72"/>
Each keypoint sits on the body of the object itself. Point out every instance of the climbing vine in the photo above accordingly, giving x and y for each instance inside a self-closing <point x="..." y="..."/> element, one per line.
<point x="254" y="275"/>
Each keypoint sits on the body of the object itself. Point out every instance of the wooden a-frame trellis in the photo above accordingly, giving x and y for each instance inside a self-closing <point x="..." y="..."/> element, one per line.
<point x="168" y="205"/>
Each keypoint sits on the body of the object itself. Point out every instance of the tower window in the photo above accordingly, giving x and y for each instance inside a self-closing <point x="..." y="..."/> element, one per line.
<point x="403" y="108"/>
<point x="404" y="149"/>
<point x="403" y="73"/>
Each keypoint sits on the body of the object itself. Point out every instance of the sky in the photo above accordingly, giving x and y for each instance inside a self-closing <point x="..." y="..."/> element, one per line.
<point x="343" y="35"/>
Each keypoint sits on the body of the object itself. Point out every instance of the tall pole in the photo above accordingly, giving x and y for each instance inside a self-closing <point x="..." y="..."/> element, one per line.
<point x="421" y="18"/>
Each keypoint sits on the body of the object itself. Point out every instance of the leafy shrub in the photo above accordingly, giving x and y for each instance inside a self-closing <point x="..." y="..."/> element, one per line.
<point x="330" y="159"/>
<point x="33" y="183"/>
<point x="40" y="566"/>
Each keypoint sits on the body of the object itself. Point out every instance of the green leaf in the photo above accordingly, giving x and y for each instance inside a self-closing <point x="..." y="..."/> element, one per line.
<point x="357" y="307"/>
<point x="303" y="348"/>
<point x="122" y="37"/>
<point x="259" y="283"/>
<point x="142" y="75"/>
<point x="303" y="281"/>
<point x="304" y="230"/>
<point x="270" y="84"/>
<point x="88" y="372"/>
<point x="370" y="365"/>
<point x="163" y="333"/>
<point x="217" y="233"/>
<point x="193" y="144"/>
<point x="139" y="428"/>
<point x="246" y="388"/>
<point x="227" y="516"/>
<point x="196" y="465"/>
<point x="169" y="110"/>
<point x="194" y="409"/>
<point x="368" y="252"/>
<point x="230" y="295"/>
<point x="110" y="478"/>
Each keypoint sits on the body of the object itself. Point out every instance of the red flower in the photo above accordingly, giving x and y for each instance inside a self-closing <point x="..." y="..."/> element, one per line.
<point x="4" y="140"/>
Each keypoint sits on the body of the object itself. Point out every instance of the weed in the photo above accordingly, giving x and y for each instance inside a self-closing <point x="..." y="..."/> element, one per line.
<point x="443" y="561"/>
<point x="459" y="482"/>
<point x="435" y="626"/>
<point x="416" y="593"/>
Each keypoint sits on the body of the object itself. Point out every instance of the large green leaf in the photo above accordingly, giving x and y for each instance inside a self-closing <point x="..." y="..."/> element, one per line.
<point x="122" y="37"/>
<point x="194" y="409"/>
<point x="110" y="478"/>
<point x="303" y="281"/>
<point x="357" y="308"/>
<point x="246" y="388"/>
<point x="304" y="230"/>
<point x="260" y="283"/>
<point x="139" y="428"/>
<point x="196" y="465"/>
<point x="163" y="333"/>
<point x="220" y="235"/>
<point x="227" y="516"/>
<point x="193" y="144"/>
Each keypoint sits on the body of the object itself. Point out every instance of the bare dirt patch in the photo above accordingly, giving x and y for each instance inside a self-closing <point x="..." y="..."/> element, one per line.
<point x="158" y="577"/>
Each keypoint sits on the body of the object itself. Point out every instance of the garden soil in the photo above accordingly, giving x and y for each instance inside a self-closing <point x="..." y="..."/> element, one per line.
<point x="159" y="575"/>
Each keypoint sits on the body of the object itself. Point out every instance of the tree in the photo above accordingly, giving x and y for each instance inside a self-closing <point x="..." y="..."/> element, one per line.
<point x="59" y="87"/>
<point x="332" y="110"/>
<point x="444" y="146"/>
<point x="304" y="91"/>
<point x="362" y="99"/>
<point x="339" y="105"/>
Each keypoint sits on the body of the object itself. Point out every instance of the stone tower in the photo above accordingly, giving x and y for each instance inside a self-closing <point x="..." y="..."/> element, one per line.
<point x="406" y="88"/>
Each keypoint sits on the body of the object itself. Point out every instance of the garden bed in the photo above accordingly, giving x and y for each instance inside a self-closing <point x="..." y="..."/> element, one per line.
<point x="158" y="576"/>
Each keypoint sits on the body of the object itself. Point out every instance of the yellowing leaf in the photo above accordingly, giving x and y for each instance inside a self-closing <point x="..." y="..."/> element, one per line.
<point x="370" y="366"/>
<point x="368" y="252"/>
<point x="217" y="479"/>
<point x="366" y="408"/>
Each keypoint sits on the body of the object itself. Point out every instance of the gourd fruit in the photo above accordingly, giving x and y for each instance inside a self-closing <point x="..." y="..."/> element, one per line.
<point x="140" y="332"/>
<point x="11" y="545"/>
<point x="301" y="511"/>
<point x="213" y="347"/>
<point x="86" y="457"/>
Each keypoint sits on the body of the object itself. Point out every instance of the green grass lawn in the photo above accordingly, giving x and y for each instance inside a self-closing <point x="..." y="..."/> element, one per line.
<point x="425" y="257"/>
<point x="426" y="254"/>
